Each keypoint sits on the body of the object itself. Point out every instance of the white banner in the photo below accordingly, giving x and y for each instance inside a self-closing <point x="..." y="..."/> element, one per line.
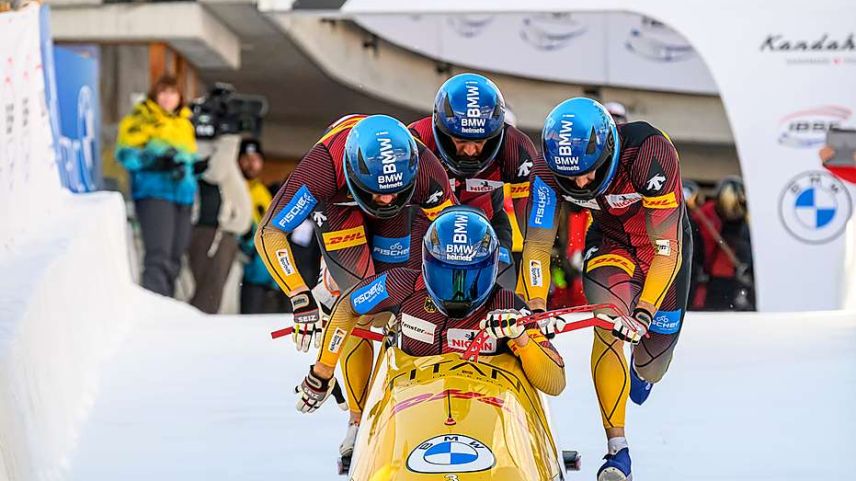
<point x="620" y="49"/>
<point x="28" y="171"/>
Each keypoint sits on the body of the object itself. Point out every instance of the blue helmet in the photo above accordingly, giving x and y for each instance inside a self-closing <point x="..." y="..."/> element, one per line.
<point x="381" y="158"/>
<point x="580" y="137"/>
<point x="468" y="107"/>
<point x="460" y="258"/>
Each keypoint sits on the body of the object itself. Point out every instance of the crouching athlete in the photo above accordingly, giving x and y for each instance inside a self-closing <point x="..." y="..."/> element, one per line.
<point x="449" y="301"/>
<point x="638" y="250"/>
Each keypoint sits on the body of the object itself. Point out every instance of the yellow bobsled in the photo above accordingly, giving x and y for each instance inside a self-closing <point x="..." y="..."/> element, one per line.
<point x="442" y="418"/>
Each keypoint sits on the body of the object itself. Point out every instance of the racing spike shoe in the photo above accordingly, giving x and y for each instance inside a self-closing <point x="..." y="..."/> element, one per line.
<point x="616" y="467"/>
<point x="640" y="389"/>
<point x="346" y="449"/>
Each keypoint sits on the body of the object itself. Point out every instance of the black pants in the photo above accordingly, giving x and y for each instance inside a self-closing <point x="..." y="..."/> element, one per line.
<point x="258" y="299"/>
<point x="211" y="255"/>
<point x="165" y="227"/>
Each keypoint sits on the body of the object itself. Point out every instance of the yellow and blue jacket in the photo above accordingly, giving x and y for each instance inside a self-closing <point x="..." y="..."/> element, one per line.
<point x="147" y="133"/>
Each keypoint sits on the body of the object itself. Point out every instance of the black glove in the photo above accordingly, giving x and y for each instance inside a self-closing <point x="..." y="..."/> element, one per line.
<point x="166" y="162"/>
<point x="200" y="166"/>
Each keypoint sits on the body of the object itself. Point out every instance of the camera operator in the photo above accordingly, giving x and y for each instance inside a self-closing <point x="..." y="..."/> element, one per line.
<point x="157" y="145"/>
<point x="225" y="207"/>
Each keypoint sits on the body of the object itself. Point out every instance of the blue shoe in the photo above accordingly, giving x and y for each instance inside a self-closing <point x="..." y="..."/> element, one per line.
<point x="616" y="467"/>
<point x="640" y="389"/>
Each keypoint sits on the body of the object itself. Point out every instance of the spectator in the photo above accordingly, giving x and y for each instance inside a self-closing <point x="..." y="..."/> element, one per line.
<point x="694" y="198"/>
<point x="259" y="292"/>
<point x="618" y="112"/>
<point x="225" y="213"/>
<point x="156" y="144"/>
<point x="727" y="248"/>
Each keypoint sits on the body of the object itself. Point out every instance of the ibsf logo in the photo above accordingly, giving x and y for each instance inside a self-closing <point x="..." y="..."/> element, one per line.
<point x="807" y="128"/>
<point x="391" y="178"/>
<point x="566" y="160"/>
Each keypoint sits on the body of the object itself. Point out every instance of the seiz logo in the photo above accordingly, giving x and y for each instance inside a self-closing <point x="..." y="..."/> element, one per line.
<point x="807" y="128"/>
<point x="342" y="239"/>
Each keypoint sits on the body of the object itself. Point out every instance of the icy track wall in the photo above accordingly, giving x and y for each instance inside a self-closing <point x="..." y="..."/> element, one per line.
<point x="65" y="291"/>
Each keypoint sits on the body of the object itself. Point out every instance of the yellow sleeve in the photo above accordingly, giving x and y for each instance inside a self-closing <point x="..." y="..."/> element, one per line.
<point x="542" y="364"/>
<point x="275" y="251"/>
<point x="343" y="319"/>
<point x="534" y="278"/>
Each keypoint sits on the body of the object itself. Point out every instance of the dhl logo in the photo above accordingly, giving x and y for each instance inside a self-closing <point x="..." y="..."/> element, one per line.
<point x="342" y="239"/>
<point x="667" y="201"/>
<point x="451" y="394"/>
<point x="520" y="190"/>
<point x="612" y="260"/>
<point x="433" y="212"/>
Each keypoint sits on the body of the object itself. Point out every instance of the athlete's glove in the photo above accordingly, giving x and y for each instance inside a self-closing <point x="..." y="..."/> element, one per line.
<point x="307" y="321"/>
<point x="314" y="390"/>
<point x="502" y="323"/>
<point x="630" y="328"/>
<point x="552" y="326"/>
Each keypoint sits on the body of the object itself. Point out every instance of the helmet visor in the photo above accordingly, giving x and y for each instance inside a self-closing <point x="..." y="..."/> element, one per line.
<point x="458" y="290"/>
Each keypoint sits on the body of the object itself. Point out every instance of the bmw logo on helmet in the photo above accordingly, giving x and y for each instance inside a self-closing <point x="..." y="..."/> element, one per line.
<point x="381" y="159"/>
<point x="460" y="259"/>
<point x="580" y="137"/>
<point x="468" y="107"/>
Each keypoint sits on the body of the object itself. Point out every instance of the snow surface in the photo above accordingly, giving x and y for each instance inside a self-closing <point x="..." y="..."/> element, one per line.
<point x="210" y="398"/>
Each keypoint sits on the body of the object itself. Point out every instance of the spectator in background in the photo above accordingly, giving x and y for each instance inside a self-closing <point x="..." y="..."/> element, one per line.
<point x="617" y="111"/>
<point x="694" y="198"/>
<point x="225" y="214"/>
<point x="727" y="248"/>
<point x="157" y="145"/>
<point x="259" y="292"/>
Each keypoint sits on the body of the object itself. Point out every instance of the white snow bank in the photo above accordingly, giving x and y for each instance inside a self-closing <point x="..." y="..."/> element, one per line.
<point x="65" y="301"/>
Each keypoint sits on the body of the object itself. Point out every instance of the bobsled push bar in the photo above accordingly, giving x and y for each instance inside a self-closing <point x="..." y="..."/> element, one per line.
<point x="472" y="351"/>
